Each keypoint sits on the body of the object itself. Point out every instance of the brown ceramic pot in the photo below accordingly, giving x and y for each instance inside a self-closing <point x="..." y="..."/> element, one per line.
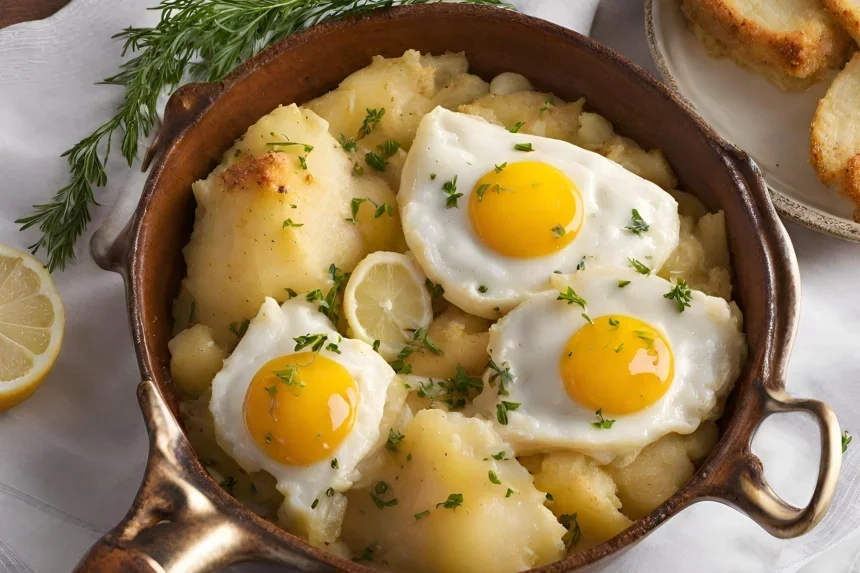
<point x="182" y="521"/>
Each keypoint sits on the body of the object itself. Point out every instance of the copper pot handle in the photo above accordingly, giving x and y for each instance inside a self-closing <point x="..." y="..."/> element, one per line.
<point x="110" y="244"/>
<point x="181" y="521"/>
<point x="739" y="479"/>
<point x="742" y="485"/>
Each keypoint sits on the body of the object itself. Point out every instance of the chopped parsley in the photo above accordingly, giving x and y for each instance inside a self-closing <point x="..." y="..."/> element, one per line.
<point x="291" y="293"/>
<point x="502" y="409"/>
<point x="379" y="159"/>
<point x="482" y="289"/>
<point x="494" y="478"/>
<point x="308" y="148"/>
<point x="517" y="126"/>
<point x="558" y="231"/>
<point x="580" y="266"/>
<point x="638" y="226"/>
<point x="501" y="167"/>
<point x="240" y="328"/>
<point x="435" y="289"/>
<point x="366" y="555"/>
<point x="333" y="347"/>
<point x="613" y="322"/>
<point x="846" y="439"/>
<point x="372" y="119"/>
<point x="574" y="533"/>
<point x="315" y="341"/>
<point x="334" y="463"/>
<point x="399" y="364"/>
<point x="376" y="344"/>
<point x="638" y="267"/>
<point x="523" y="147"/>
<point x="303" y="161"/>
<point x="432" y="176"/>
<point x="571" y="297"/>
<point x="450" y="189"/>
<point x="347" y="143"/>
<point x="587" y="319"/>
<point x="315" y="503"/>
<point x="420" y="336"/>
<point x="681" y="294"/>
<point x="394" y="438"/>
<point x="546" y="105"/>
<point x="424" y="513"/>
<point x="329" y="492"/>
<point x="504" y="376"/>
<point x="381" y="487"/>
<point x="290" y="376"/>
<point x="510" y="492"/>
<point x="457" y="391"/>
<point x="500" y="456"/>
<point x="619" y="347"/>
<point x="602" y="423"/>
<point x="380" y="209"/>
<point x="622" y="284"/>
<point x="290" y="223"/>
<point x="646" y="336"/>
<point x="549" y="497"/>
<point x="454" y="501"/>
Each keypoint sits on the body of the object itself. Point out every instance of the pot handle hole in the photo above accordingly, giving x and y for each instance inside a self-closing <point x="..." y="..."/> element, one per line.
<point x="745" y="488"/>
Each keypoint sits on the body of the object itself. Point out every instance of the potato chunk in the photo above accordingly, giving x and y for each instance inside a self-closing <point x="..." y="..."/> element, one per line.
<point x="449" y="514"/>
<point x="661" y="469"/>
<point x="264" y="223"/>
<point x="702" y="256"/>
<point x="406" y="88"/>
<point x="195" y="359"/>
<point x="463" y="340"/>
<point x="543" y="113"/>
<point x="579" y="486"/>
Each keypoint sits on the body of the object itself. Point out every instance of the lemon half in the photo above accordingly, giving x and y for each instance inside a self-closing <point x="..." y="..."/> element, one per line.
<point x="386" y="300"/>
<point x="31" y="325"/>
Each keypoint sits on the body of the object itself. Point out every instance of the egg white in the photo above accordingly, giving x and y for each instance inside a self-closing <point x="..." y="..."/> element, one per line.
<point x="442" y="239"/>
<point x="705" y="339"/>
<point x="270" y="335"/>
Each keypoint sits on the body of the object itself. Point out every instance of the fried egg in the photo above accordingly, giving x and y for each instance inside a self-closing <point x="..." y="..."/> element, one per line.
<point x="491" y="214"/>
<point x="608" y="364"/>
<point x="304" y="404"/>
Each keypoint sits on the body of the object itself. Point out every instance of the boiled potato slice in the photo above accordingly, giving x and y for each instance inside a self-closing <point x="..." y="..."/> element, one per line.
<point x="264" y="224"/>
<point x="400" y="91"/>
<point x="661" y="469"/>
<point x="579" y="486"/>
<point x="463" y="340"/>
<point x="195" y="359"/>
<point x="449" y="514"/>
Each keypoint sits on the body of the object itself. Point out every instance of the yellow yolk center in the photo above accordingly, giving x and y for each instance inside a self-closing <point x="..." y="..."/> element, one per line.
<point x="300" y="407"/>
<point x="619" y="364"/>
<point x="525" y="209"/>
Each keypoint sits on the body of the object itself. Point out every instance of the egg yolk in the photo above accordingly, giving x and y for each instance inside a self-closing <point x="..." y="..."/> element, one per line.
<point x="300" y="407"/>
<point x="620" y="364"/>
<point x="525" y="209"/>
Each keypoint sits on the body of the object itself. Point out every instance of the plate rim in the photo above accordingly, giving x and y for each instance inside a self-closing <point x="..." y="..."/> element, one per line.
<point x="792" y="210"/>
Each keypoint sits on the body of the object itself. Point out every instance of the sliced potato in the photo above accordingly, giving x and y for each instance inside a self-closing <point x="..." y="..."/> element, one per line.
<point x="450" y="515"/>
<point x="579" y="486"/>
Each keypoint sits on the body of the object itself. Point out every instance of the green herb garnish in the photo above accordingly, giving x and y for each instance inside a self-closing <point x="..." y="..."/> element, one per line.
<point x="347" y="143"/>
<point x="435" y="289"/>
<point x="517" y="126"/>
<point x="424" y="513"/>
<point x="454" y="501"/>
<point x="574" y="533"/>
<point x="602" y="423"/>
<point x="638" y="267"/>
<point x="502" y="409"/>
<point x="558" y="231"/>
<point x="315" y="341"/>
<point x="290" y="223"/>
<point x="571" y="297"/>
<point x="394" y="438"/>
<point x="240" y="328"/>
<point x="371" y="120"/>
<point x="494" y="478"/>
<point x="450" y="189"/>
<point x="523" y="147"/>
<point x="638" y="225"/>
<point x="681" y="294"/>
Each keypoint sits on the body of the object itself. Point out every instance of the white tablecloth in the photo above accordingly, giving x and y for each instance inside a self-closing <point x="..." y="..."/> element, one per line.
<point x="73" y="455"/>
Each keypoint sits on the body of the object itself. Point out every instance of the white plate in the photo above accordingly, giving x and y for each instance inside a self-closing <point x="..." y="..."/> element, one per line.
<point x="747" y="110"/>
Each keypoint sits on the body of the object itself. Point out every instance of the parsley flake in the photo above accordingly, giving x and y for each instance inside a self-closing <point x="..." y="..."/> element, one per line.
<point x="622" y="284"/>
<point x="315" y="341"/>
<point x="450" y="189"/>
<point x="372" y="119"/>
<point x="571" y="297"/>
<point x="494" y="478"/>
<point x="435" y="289"/>
<point x="638" y="267"/>
<point x="501" y="167"/>
<point x="517" y="126"/>
<point x="846" y="439"/>
<point x="394" y="438"/>
<point x="523" y="147"/>
<point x="681" y="294"/>
<point x="638" y="226"/>
<point x="424" y="513"/>
<point x="240" y="328"/>
<point x="454" y="501"/>
<point x="602" y="423"/>
<point x="502" y="409"/>
<point x="347" y="143"/>
<point x="290" y="223"/>
<point x="558" y="231"/>
<point x="574" y="533"/>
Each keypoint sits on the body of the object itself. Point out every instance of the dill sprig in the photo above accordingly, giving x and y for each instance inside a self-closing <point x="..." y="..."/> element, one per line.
<point x="204" y="38"/>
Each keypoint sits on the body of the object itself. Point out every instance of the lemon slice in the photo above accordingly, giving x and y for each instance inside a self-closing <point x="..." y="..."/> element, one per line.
<point x="386" y="300"/>
<point x="31" y="325"/>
